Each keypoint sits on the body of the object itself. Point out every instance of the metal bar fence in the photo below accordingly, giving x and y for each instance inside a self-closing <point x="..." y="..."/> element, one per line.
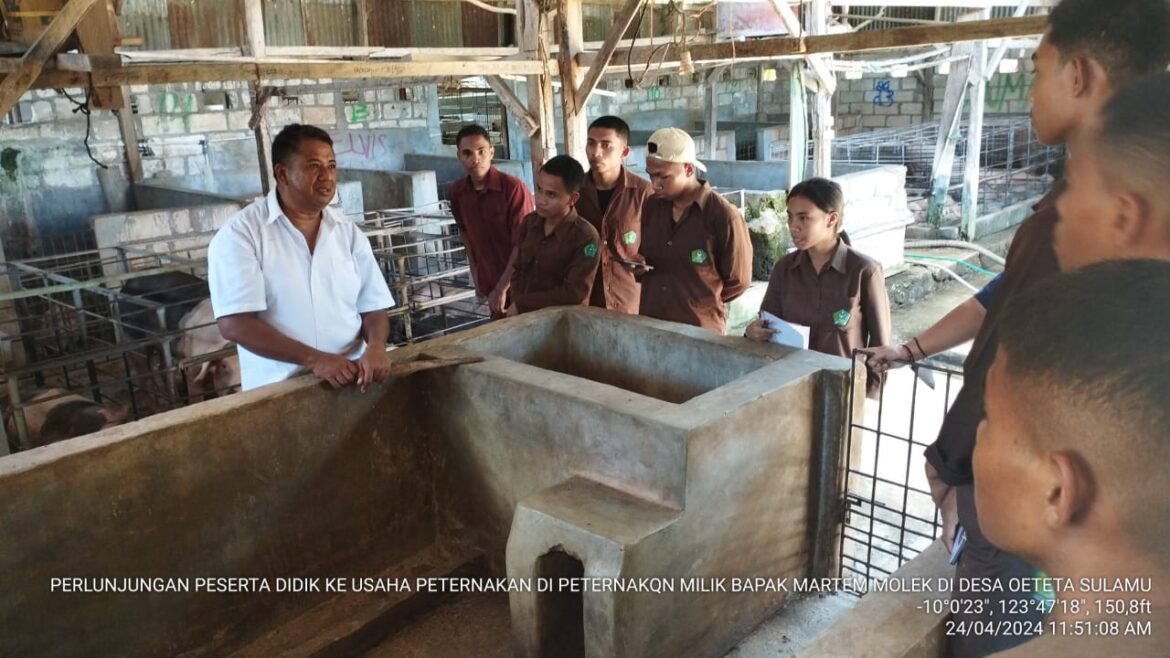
<point x="889" y="515"/>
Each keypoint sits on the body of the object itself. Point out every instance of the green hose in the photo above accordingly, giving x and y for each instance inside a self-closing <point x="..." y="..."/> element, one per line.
<point x="953" y="260"/>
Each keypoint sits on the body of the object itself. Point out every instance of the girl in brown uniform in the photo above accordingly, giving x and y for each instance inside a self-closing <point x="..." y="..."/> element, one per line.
<point x="826" y="285"/>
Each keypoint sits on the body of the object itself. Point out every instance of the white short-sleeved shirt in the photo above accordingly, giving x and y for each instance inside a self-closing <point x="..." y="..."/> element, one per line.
<point x="260" y="263"/>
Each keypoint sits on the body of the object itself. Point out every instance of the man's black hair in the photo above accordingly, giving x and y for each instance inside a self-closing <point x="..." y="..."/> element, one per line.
<point x="288" y="141"/>
<point x="1133" y="144"/>
<point x="1130" y="38"/>
<point x="613" y="123"/>
<point x="471" y="130"/>
<point x="568" y="170"/>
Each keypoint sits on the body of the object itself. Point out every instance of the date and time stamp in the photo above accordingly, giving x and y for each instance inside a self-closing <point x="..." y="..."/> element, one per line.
<point x="1121" y="610"/>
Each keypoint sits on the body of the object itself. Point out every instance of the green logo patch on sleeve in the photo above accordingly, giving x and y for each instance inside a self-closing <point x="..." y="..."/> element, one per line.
<point x="841" y="318"/>
<point x="699" y="256"/>
<point x="591" y="250"/>
<point x="630" y="237"/>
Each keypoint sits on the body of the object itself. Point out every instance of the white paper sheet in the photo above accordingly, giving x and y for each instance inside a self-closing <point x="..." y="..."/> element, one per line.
<point x="793" y="335"/>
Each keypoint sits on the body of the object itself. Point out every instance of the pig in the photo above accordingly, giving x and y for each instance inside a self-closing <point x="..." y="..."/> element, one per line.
<point x="178" y="291"/>
<point x="55" y="415"/>
<point x="201" y="336"/>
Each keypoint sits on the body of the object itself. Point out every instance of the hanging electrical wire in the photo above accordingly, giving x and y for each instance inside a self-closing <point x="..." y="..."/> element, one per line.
<point x="82" y="106"/>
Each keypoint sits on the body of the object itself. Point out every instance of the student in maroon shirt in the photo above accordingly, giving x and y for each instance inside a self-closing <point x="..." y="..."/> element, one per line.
<point x="557" y="252"/>
<point x="488" y="206"/>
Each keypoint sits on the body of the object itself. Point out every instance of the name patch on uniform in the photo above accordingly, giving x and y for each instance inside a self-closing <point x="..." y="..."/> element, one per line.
<point x="698" y="257"/>
<point x="591" y="250"/>
<point x="841" y="318"/>
<point x="630" y="237"/>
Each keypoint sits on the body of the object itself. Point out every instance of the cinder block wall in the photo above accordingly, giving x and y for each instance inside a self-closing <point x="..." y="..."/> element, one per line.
<point x="197" y="131"/>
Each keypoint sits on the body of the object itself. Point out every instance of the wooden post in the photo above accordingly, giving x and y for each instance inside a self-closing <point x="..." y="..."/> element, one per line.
<point x="99" y="35"/>
<point x="15" y="84"/>
<point x="711" y="110"/>
<point x="532" y="25"/>
<point x="621" y="23"/>
<point x="572" y="43"/>
<point x="823" y="129"/>
<point x="974" y="138"/>
<point x="948" y="130"/>
<point x="130" y="140"/>
<point x="256" y="46"/>
<point x="512" y="102"/>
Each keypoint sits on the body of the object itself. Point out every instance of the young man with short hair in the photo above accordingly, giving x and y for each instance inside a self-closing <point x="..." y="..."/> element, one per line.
<point x="557" y="251"/>
<point x="1117" y="205"/>
<point x="1072" y="462"/>
<point x="488" y="206"/>
<point x="694" y="242"/>
<point x="1090" y="50"/>
<point x="612" y="200"/>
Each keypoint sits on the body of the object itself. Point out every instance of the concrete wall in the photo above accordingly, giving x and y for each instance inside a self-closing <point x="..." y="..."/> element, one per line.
<point x="383" y="190"/>
<point x="448" y="170"/>
<point x="299" y="480"/>
<point x="193" y="135"/>
<point x="184" y="232"/>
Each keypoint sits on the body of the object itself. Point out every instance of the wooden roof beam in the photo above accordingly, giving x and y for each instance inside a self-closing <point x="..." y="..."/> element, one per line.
<point x="14" y="85"/>
<point x="851" y="42"/>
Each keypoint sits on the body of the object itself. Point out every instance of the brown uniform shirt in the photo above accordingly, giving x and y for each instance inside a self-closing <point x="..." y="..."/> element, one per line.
<point x="488" y="220"/>
<point x="1030" y="259"/>
<point x="845" y="307"/>
<point x="700" y="262"/>
<point x="557" y="269"/>
<point x="620" y="228"/>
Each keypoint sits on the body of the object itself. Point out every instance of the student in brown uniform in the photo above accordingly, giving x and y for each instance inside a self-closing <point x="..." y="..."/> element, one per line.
<point x="611" y="200"/>
<point x="694" y="242"/>
<point x="826" y="285"/>
<point x="557" y="252"/>
<point x="1090" y="50"/>
<point x="488" y="206"/>
<point x="1072" y="463"/>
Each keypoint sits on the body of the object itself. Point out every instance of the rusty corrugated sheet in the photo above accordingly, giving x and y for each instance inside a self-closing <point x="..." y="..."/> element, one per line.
<point x="284" y="23"/>
<point x="330" y="22"/>
<point x="205" y="23"/>
<point x="481" y="28"/>
<point x="436" y="24"/>
<point x="390" y="24"/>
<point x="146" y="19"/>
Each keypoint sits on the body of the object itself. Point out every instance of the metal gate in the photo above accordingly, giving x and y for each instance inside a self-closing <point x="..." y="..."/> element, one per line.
<point x="889" y="515"/>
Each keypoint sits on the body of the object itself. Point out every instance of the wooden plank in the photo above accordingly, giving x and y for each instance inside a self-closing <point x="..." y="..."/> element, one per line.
<point x="256" y="46"/>
<point x="819" y="15"/>
<point x="711" y="110"/>
<point x="621" y="23"/>
<point x="512" y="102"/>
<point x="363" y="22"/>
<point x="817" y="62"/>
<point x="99" y="35"/>
<point x="573" y="115"/>
<point x="157" y="74"/>
<point x="852" y="42"/>
<point x="130" y="140"/>
<point x="533" y="38"/>
<point x="14" y="85"/>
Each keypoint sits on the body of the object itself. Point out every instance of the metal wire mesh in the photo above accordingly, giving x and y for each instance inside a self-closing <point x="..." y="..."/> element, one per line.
<point x="889" y="515"/>
<point x="69" y="323"/>
<point x="1014" y="166"/>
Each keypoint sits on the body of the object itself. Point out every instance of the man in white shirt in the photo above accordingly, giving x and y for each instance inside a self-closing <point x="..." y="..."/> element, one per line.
<point x="294" y="283"/>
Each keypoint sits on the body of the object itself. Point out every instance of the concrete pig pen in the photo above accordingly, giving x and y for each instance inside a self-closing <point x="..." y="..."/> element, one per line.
<point x="586" y="444"/>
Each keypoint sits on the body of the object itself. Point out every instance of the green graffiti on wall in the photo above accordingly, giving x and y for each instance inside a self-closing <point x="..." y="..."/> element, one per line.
<point x="1004" y="88"/>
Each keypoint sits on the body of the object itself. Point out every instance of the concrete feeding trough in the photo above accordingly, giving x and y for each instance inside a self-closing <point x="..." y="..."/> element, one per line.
<point x="586" y="444"/>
